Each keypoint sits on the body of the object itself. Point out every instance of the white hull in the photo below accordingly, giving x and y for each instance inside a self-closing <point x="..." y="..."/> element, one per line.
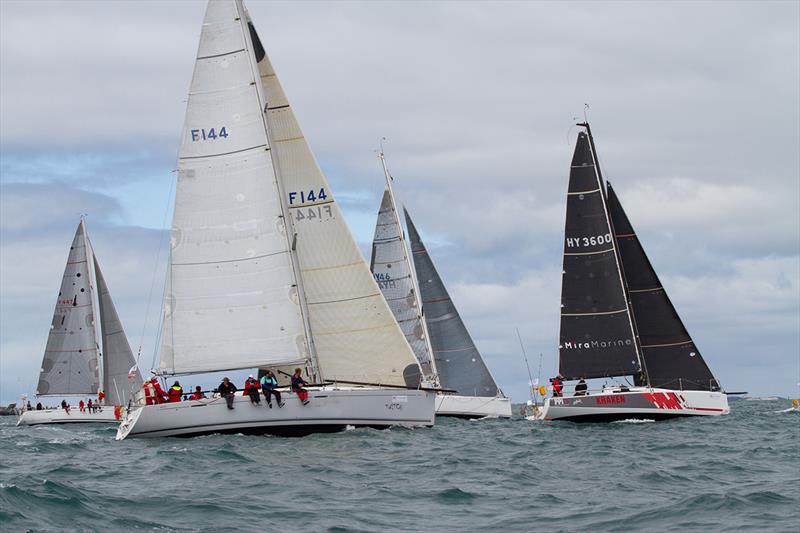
<point x="59" y="416"/>
<point x="637" y="403"/>
<point x="473" y="406"/>
<point x="330" y="409"/>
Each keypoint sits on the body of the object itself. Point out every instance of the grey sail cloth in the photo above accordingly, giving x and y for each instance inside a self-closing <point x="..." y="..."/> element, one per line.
<point x="671" y="359"/>
<point x="117" y="356"/>
<point x="458" y="362"/>
<point x="596" y="337"/>
<point x="70" y="359"/>
<point x="391" y="267"/>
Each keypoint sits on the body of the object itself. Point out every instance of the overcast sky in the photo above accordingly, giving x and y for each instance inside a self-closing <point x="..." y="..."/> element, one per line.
<point x="694" y="107"/>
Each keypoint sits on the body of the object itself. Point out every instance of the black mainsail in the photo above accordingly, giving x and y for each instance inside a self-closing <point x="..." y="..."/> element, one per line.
<point x="596" y="338"/>
<point x="671" y="359"/>
<point x="458" y="362"/>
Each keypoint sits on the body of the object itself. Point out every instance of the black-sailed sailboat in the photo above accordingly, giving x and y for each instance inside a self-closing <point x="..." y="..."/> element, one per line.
<point x="616" y="317"/>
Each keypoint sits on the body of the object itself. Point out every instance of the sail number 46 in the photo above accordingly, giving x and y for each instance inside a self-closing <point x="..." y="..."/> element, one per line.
<point x="209" y="134"/>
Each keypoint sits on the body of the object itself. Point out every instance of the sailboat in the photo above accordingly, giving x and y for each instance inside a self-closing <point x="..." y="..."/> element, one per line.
<point x="430" y="321"/>
<point x="263" y="271"/>
<point x="616" y="317"/>
<point x="75" y="362"/>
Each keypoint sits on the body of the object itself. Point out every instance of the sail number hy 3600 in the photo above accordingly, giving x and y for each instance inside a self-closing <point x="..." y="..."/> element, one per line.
<point x="578" y="242"/>
<point x="210" y="134"/>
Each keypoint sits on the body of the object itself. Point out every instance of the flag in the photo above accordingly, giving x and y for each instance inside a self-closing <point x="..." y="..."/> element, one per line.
<point x="132" y="372"/>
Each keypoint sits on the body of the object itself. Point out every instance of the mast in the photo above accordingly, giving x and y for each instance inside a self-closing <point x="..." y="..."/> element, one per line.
<point x="601" y="184"/>
<point x="412" y="272"/>
<point x="249" y="31"/>
<point x="94" y="298"/>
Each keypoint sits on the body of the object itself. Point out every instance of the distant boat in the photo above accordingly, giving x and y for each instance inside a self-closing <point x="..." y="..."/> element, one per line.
<point x="429" y="319"/>
<point x="75" y="362"/>
<point x="616" y="318"/>
<point x="263" y="271"/>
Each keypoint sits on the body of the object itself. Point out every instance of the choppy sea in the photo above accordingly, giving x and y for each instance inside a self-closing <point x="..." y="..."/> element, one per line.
<point x="731" y="473"/>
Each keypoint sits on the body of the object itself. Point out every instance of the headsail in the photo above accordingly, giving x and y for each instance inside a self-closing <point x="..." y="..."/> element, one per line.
<point x="458" y="362"/>
<point x="354" y="333"/>
<point x="70" y="359"/>
<point x="118" y="359"/>
<point x="596" y="338"/>
<point x="391" y="266"/>
<point x="671" y="360"/>
<point x="231" y="299"/>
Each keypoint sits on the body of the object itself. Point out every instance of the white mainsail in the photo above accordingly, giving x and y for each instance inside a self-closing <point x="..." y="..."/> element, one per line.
<point x="70" y="363"/>
<point x="231" y="299"/>
<point x="118" y="359"/>
<point x="392" y="269"/>
<point x="355" y="335"/>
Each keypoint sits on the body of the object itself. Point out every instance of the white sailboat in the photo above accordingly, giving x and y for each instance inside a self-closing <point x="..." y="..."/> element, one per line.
<point x="476" y="394"/>
<point x="263" y="270"/>
<point x="75" y="362"/>
<point x="616" y="318"/>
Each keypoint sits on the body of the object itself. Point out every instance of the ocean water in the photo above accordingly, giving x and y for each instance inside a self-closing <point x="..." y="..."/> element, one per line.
<point x="732" y="473"/>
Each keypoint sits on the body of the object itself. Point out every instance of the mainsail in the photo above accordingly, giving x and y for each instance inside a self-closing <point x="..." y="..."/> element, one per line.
<point x="118" y="359"/>
<point x="671" y="360"/>
<point x="458" y="362"/>
<point x="70" y="359"/>
<point x="354" y="334"/>
<point x="596" y="338"/>
<point x="392" y="269"/>
<point x="232" y="298"/>
<point x="263" y="270"/>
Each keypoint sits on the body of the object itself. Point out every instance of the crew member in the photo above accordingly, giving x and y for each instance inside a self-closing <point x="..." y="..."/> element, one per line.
<point x="149" y="392"/>
<point x="251" y="389"/>
<point x="558" y="386"/>
<point x="227" y="390"/>
<point x="65" y="406"/>
<point x="268" y="386"/>
<point x="197" y="394"/>
<point x="100" y="396"/>
<point x="90" y="405"/>
<point x="581" y="389"/>
<point x="160" y="395"/>
<point x="297" y="386"/>
<point x="175" y="392"/>
<point x="81" y="406"/>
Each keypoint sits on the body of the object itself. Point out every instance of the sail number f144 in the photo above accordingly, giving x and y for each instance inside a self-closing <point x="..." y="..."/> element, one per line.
<point x="209" y="134"/>
<point x="302" y="197"/>
<point x="579" y="242"/>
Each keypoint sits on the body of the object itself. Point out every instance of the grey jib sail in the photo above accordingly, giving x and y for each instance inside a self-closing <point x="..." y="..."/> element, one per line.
<point x="596" y="338"/>
<point x="117" y="356"/>
<point x="458" y="362"/>
<point x="671" y="359"/>
<point x="70" y="359"/>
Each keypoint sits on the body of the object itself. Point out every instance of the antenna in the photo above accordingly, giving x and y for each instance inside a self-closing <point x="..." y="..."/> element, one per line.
<point x="585" y="114"/>
<point x="525" y="356"/>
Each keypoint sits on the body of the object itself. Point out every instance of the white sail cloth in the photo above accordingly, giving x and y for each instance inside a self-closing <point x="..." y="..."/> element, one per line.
<point x="231" y="299"/>
<point x="354" y="332"/>
<point x="70" y="363"/>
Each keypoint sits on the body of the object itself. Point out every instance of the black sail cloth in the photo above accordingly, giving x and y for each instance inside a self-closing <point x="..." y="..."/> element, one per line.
<point x="596" y="338"/>
<point x="671" y="359"/>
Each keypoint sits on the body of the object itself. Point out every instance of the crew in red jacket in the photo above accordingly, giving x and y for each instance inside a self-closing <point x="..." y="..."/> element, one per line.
<point x="253" y="389"/>
<point x="175" y="392"/>
<point x="558" y="386"/>
<point x="161" y="396"/>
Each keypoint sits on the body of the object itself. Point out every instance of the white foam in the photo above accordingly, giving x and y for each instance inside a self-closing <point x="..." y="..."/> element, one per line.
<point x="633" y="421"/>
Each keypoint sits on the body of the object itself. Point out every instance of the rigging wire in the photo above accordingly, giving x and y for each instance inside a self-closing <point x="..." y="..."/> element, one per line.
<point x="153" y="278"/>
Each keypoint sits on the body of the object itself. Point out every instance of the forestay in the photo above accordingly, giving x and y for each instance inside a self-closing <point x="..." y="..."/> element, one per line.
<point x="596" y="338"/>
<point x="391" y="267"/>
<point x="231" y="299"/>
<point x="70" y="360"/>
<point x="117" y="356"/>
<point x="458" y="363"/>
<point x="354" y="333"/>
<point x="671" y="359"/>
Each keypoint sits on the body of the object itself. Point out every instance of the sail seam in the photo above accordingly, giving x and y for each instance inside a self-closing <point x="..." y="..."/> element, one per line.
<point x="667" y="345"/>
<point x="582" y="192"/>
<point x="344" y="300"/>
<point x="224" y="153"/>
<point x="289" y="139"/>
<point x="231" y="260"/>
<point x="647" y="290"/>
<point x="589" y="253"/>
<point x="599" y="313"/>
<point x="222" y="55"/>
<point x="277" y="107"/>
